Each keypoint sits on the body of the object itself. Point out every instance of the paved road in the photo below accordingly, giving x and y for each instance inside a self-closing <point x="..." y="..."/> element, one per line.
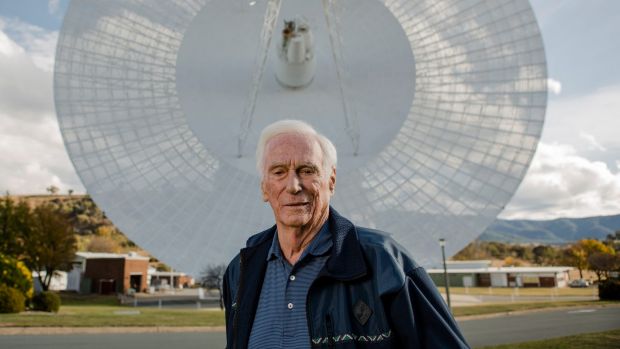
<point x="539" y="325"/>
<point x="481" y="332"/>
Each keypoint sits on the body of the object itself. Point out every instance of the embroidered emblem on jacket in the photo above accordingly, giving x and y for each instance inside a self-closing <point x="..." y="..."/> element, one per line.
<point x="362" y="312"/>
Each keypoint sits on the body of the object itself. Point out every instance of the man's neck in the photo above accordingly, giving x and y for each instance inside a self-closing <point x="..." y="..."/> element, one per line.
<point x="294" y="240"/>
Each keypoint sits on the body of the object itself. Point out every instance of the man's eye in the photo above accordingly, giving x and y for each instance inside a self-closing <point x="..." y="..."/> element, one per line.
<point x="307" y="171"/>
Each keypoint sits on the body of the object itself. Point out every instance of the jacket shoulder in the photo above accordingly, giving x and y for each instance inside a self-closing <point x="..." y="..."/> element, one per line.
<point x="231" y="276"/>
<point x="387" y="258"/>
<point x="385" y="246"/>
<point x="261" y="237"/>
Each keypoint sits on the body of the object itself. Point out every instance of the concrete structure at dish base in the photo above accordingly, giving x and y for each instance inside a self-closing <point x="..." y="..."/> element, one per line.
<point x="481" y="274"/>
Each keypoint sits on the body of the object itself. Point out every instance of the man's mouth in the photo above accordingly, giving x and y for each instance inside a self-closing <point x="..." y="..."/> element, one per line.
<point x="297" y="204"/>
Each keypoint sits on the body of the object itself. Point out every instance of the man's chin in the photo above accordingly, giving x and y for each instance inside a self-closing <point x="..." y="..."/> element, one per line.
<point x="296" y="221"/>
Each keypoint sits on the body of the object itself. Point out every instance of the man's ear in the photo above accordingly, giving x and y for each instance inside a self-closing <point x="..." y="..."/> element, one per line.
<point x="263" y="191"/>
<point x="332" y="180"/>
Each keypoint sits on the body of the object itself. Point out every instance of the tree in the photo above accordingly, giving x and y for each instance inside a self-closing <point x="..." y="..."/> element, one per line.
<point x="497" y="249"/>
<point x="16" y="275"/>
<point x="213" y="277"/>
<point x="613" y="240"/>
<point x="544" y="255"/>
<point x="511" y="261"/>
<point x="519" y="251"/>
<point x="163" y="267"/>
<point x="474" y="250"/>
<point x="52" y="189"/>
<point x="102" y="244"/>
<point x="14" y="218"/>
<point x="577" y="254"/>
<point x="602" y="263"/>
<point x="10" y="242"/>
<point x="49" y="243"/>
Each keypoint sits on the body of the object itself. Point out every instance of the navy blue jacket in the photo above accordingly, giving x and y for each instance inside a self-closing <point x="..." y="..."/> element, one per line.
<point x="370" y="294"/>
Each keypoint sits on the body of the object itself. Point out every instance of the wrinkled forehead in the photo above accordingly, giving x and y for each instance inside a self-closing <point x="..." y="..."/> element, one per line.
<point x="293" y="147"/>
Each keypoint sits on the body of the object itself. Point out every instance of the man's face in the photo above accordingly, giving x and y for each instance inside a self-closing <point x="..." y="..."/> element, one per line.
<point x="295" y="183"/>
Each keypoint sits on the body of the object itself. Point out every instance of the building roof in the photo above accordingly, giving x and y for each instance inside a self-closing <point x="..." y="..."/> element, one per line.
<point x="104" y="255"/>
<point x="166" y="273"/>
<point x="494" y="270"/>
<point x="473" y="261"/>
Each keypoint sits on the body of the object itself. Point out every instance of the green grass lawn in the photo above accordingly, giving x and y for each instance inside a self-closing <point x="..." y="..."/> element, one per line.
<point x="528" y="291"/>
<point x="512" y="307"/>
<point x="96" y="311"/>
<point x="599" y="340"/>
<point x="121" y="316"/>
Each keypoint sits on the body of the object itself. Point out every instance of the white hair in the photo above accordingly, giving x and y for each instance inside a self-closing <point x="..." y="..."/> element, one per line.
<point x="330" y="157"/>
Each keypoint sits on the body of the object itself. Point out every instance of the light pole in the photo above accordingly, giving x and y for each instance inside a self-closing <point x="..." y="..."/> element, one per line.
<point x="442" y="243"/>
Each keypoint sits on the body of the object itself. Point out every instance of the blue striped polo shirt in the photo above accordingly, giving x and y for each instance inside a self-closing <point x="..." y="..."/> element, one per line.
<point x="280" y="320"/>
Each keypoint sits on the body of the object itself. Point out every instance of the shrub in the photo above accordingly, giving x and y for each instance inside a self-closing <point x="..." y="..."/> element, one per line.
<point x="46" y="301"/>
<point x="609" y="289"/>
<point x="11" y="300"/>
<point x="15" y="274"/>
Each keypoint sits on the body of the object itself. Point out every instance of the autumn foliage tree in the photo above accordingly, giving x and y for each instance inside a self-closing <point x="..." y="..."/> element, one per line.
<point x="102" y="244"/>
<point x="13" y="217"/>
<point x="603" y="263"/>
<point x="41" y="238"/>
<point x="577" y="254"/>
<point x="15" y="274"/>
<point x="49" y="243"/>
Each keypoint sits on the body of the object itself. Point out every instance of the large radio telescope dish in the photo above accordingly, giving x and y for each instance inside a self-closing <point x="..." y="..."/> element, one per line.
<point x="436" y="108"/>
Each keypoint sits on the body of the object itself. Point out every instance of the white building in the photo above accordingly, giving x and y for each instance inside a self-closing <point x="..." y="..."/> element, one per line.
<point x="481" y="274"/>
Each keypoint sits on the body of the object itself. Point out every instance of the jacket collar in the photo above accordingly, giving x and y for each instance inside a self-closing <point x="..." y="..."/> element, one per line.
<point x="346" y="261"/>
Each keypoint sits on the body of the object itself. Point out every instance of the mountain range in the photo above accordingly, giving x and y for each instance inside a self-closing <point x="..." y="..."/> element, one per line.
<point x="556" y="231"/>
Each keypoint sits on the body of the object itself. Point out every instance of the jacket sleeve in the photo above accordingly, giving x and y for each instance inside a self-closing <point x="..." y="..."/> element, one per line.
<point x="419" y="316"/>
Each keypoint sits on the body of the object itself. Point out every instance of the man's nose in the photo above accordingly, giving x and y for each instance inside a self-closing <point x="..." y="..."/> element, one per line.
<point x="293" y="185"/>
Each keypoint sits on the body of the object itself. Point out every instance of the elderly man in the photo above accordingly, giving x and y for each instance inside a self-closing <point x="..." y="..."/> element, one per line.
<point x="315" y="279"/>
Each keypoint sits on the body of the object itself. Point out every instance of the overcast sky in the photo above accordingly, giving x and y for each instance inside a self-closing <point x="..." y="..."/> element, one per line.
<point x="575" y="173"/>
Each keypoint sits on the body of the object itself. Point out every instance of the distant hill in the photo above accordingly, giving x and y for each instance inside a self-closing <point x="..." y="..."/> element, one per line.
<point x="94" y="232"/>
<point x="82" y="212"/>
<point x="556" y="231"/>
